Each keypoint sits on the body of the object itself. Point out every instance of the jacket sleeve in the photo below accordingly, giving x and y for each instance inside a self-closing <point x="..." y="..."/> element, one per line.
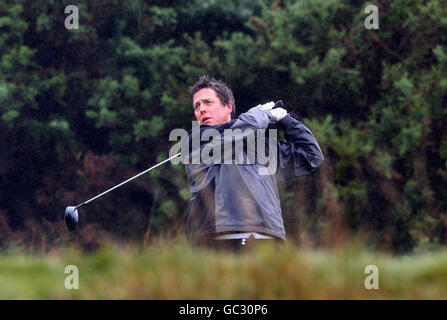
<point x="301" y="154"/>
<point x="254" y="118"/>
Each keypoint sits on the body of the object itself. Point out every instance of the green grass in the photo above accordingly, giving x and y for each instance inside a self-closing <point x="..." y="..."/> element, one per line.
<point x="175" y="271"/>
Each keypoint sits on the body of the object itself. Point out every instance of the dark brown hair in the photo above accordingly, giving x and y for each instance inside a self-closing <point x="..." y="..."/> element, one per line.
<point x="222" y="90"/>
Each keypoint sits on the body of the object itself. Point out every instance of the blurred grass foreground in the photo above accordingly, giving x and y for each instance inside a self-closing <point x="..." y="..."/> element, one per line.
<point x="173" y="270"/>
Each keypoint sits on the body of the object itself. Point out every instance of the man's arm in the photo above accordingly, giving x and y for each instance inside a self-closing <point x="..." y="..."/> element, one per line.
<point x="301" y="154"/>
<point x="254" y="118"/>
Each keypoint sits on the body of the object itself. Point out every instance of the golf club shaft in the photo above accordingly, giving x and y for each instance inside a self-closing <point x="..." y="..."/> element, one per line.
<point x="130" y="179"/>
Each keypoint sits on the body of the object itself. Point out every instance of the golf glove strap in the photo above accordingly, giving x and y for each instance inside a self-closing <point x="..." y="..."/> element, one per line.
<point x="277" y="114"/>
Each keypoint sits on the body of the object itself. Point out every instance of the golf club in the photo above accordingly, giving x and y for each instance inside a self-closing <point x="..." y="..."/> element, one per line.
<point x="71" y="216"/>
<point x="71" y="213"/>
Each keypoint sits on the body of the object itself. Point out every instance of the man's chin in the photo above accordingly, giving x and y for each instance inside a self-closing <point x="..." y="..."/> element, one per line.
<point x="209" y="122"/>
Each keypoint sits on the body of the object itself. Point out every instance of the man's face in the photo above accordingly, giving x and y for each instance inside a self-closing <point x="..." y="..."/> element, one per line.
<point x="208" y="108"/>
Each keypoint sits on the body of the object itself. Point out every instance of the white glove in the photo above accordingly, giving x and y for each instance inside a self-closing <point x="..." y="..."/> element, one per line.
<point x="277" y="114"/>
<point x="266" y="106"/>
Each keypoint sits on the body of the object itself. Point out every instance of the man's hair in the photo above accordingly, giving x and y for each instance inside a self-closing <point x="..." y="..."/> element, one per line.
<point x="222" y="90"/>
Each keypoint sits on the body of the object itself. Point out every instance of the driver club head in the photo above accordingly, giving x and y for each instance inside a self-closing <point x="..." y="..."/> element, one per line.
<point x="71" y="218"/>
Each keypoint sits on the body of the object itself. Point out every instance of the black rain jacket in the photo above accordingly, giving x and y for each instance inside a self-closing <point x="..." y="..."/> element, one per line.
<point x="236" y="197"/>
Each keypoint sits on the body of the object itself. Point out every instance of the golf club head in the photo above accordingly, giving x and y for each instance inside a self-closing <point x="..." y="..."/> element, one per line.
<point x="71" y="218"/>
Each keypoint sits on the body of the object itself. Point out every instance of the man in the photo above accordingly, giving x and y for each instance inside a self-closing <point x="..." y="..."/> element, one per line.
<point x="234" y="205"/>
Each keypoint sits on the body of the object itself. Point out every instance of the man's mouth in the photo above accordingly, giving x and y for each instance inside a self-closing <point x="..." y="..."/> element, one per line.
<point x="205" y="120"/>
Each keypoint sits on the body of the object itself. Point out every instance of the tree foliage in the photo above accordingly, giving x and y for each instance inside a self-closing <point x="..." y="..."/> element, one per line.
<point x="84" y="109"/>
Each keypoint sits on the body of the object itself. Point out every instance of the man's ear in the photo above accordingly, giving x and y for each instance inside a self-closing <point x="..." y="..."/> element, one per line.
<point x="229" y="107"/>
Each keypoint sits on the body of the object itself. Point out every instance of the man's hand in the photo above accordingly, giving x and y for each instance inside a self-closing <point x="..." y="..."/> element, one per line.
<point x="277" y="113"/>
<point x="266" y="106"/>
